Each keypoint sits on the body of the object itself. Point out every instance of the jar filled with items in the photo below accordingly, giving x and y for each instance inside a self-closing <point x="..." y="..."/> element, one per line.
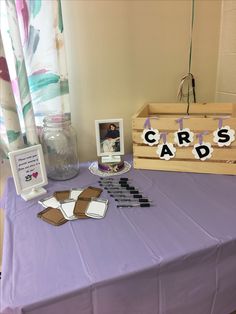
<point x="60" y="147"/>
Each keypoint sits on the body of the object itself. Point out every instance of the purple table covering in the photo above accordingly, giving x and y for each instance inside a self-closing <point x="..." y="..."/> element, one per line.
<point x="178" y="256"/>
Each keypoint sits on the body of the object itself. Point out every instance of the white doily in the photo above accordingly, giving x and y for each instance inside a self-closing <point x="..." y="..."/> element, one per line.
<point x="93" y="168"/>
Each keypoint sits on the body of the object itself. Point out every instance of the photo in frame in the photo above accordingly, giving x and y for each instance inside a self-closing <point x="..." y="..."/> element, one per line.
<point x="109" y="137"/>
<point x="29" y="172"/>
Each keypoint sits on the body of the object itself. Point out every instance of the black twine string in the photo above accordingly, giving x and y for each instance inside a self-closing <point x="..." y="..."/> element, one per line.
<point x="188" y="79"/>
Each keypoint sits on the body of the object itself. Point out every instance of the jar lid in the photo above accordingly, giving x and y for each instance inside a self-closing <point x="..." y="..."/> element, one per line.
<point x="55" y="120"/>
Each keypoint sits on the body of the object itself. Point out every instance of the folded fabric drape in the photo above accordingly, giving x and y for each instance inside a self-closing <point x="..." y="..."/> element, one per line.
<point x="10" y="134"/>
<point x="33" y="72"/>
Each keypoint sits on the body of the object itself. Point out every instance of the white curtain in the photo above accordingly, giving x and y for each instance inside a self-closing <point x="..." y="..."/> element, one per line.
<point x="33" y="73"/>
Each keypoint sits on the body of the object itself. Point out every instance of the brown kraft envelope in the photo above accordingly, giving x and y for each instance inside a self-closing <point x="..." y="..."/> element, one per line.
<point x="90" y="192"/>
<point x="61" y="195"/>
<point x="53" y="216"/>
<point x="84" y="199"/>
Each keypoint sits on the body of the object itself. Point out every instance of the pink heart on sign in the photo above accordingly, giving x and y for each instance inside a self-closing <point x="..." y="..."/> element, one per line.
<point x="35" y="174"/>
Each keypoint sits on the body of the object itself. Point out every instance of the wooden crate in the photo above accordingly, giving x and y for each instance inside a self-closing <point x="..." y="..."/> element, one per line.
<point x="201" y="117"/>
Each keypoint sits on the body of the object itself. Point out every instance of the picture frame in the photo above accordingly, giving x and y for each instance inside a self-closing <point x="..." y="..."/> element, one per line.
<point x="29" y="172"/>
<point x="109" y="137"/>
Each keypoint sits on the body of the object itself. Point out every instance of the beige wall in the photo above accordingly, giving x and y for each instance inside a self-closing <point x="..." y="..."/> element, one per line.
<point x="124" y="53"/>
<point x="226" y="80"/>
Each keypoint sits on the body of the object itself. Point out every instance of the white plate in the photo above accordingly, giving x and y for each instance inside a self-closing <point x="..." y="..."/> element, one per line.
<point x="93" y="168"/>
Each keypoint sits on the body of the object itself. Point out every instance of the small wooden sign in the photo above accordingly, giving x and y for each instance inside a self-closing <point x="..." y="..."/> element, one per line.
<point x="28" y="170"/>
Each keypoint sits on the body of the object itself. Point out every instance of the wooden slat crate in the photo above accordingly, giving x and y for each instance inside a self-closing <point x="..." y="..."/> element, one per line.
<point x="201" y="118"/>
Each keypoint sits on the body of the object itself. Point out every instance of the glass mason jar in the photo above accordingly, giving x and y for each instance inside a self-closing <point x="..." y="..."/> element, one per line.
<point x="60" y="147"/>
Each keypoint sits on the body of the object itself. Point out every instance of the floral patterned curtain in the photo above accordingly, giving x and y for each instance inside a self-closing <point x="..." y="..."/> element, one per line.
<point x="33" y="73"/>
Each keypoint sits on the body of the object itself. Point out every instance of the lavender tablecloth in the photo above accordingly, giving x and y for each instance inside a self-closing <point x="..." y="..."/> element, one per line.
<point x="178" y="256"/>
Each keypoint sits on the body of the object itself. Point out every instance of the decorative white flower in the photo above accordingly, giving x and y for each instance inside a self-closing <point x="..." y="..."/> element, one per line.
<point x="166" y="151"/>
<point x="150" y="136"/>
<point x="202" y="151"/>
<point x="183" y="137"/>
<point x="224" y="136"/>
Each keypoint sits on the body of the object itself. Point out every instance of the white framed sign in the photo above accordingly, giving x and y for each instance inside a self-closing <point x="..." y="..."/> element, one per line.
<point x="29" y="172"/>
